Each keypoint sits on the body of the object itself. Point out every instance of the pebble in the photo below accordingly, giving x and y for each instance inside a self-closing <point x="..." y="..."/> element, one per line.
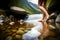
<point x="20" y="32"/>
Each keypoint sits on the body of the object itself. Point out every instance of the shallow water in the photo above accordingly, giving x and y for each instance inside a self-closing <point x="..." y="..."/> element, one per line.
<point x="30" y="30"/>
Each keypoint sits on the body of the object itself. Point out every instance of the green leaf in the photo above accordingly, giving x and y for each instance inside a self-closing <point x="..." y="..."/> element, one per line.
<point x="48" y="3"/>
<point x="30" y="8"/>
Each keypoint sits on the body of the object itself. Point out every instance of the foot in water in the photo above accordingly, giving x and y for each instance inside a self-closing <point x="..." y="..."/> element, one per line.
<point x="47" y="18"/>
<point x="44" y="20"/>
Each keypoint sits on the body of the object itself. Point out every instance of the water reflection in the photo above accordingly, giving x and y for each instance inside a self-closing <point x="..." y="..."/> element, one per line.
<point x="45" y="30"/>
<point x="36" y="30"/>
<point x="54" y="33"/>
<point x="48" y="32"/>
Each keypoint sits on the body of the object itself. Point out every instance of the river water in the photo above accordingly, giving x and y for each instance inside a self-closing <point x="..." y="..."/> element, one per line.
<point x="31" y="30"/>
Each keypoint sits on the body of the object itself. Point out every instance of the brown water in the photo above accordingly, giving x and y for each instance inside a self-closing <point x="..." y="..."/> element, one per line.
<point x="54" y="31"/>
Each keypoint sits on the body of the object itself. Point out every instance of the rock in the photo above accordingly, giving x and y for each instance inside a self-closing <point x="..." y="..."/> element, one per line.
<point x="14" y="34"/>
<point x="53" y="16"/>
<point x="58" y="18"/>
<point x="20" y="32"/>
<point x="11" y="23"/>
<point x="1" y="19"/>
<point x="9" y="38"/>
<point x="1" y="22"/>
<point x="13" y="30"/>
<point x="26" y="31"/>
<point x="21" y="22"/>
<point x="18" y="37"/>
<point x="21" y="28"/>
<point x="7" y="30"/>
<point x="2" y="16"/>
<point x="58" y="26"/>
<point x="51" y="20"/>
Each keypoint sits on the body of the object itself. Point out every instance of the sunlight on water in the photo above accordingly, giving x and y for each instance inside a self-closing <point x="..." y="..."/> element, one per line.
<point x="30" y="30"/>
<point x="34" y="32"/>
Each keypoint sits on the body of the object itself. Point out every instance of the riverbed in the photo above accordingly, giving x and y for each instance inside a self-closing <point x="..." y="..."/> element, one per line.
<point x="30" y="30"/>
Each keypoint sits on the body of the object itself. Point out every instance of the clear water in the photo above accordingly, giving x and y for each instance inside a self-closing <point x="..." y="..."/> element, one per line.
<point x="51" y="30"/>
